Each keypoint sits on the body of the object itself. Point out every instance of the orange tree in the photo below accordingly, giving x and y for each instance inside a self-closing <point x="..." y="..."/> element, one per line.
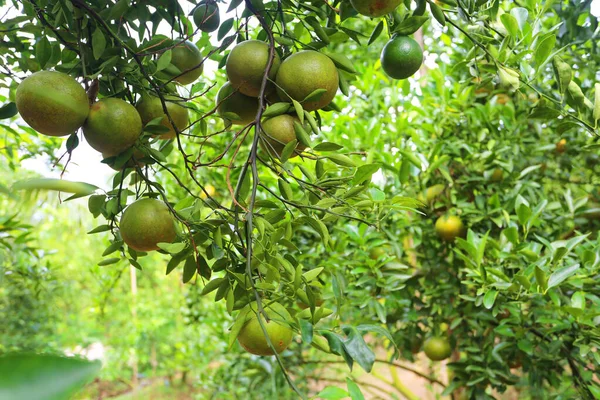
<point x="456" y="211"/>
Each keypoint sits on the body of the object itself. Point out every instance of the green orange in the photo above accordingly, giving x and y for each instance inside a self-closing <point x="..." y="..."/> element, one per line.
<point x="52" y="103"/>
<point x="375" y="8"/>
<point x="304" y="72"/>
<point x="150" y="107"/>
<point x="401" y="57"/>
<point x="449" y="227"/>
<point x="277" y="132"/>
<point x="112" y="126"/>
<point x="147" y="222"/>
<point x="206" y="17"/>
<point x="437" y="348"/>
<point x="232" y="101"/>
<point x="252" y="337"/>
<point x="188" y="59"/>
<point x="246" y="66"/>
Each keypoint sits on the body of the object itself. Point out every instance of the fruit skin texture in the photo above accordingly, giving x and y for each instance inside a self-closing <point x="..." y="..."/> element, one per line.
<point x="449" y="227"/>
<point x="52" y="103"/>
<point x="277" y="132"/>
<point x="304" y="72"/>
<point x="437" y="348"/>
<point x="246" y="66"/>
<point x="229" y="100"/>
<point x="145" y="223"/>
<point x="207" y="17"/>
<point x="401" y="57"/>
<point x="375" y="8"/>
<point x="150" y="108"/>
<point x="112" y="126"/>
<point x="186" y="56"/>
<point x="251" y="336"/>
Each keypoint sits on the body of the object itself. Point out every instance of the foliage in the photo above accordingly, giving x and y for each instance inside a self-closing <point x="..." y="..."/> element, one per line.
<point x="503" y="84"/>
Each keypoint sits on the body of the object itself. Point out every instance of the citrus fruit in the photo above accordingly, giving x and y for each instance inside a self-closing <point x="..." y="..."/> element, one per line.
<point x="232" y="101"/>
<point x="375" y="8"/>
<point x="437" y="348"/>
<point x="112" y="126"/>
<point x="376" y="253"/>
<point x="449" y="227"/>
<point x="561" y="146"/>
<point x="497" y="175"/>
<point x="186" y="57"/>
<point x="206" y="17"/>
<point x="209" y="190"/>
<point x="431" y="193"/>
<point x="252" y="338"/>
<point x="246" y="66"/>
<point x="145" y="223"/>
<point x="277" y="132"/>
<point x="303" y="73"/>
<point x="52" y="103"/>
<point x="150" y="107"/>
<point x="401" y="57"/>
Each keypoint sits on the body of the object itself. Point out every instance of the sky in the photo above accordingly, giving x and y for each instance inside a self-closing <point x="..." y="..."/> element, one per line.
<point x="86" y="166"/>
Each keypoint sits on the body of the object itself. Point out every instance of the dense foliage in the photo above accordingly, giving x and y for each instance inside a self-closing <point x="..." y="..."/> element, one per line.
<point x="498" y="128"/>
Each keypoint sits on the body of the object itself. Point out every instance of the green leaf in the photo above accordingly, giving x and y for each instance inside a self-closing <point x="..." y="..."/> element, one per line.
<point x="135" y="264"/>
<point x="98" y="43"/>
<point x="299" y="110"/>
<point x="224" y="28"/>
<point x="341" y="160"/>
<point x="109" y="261"/>
<point x="315" y="95"/>
<point x="437" y="13"/>
<point x="288" y="149"/>
<point x="562" y="73"/>
<point x="43" y="51"/>
<point x="364" y="173"/>
<point x="212" y="286"/>
<point x="354" y="390"/>
<point x="164" y="60"/>
<point x="358" y="349"/>
<point x="489" y="299"/>
<point x="101" y="228"/>
<point x="112" y="248"/>
<point x="410" y="25"/>
<point x="521" y="14"/>
<point x="49" y="377"/>
<point x="306" y="329"/>
<point x="312" y="274"/>
<point x="327" y="146"/>
<point x="276" y="109"/>
<point x="171" y="248"/>
<point x="302" y="136"/>
<point x="547" y="113"/>
<point x="511" y="24"/>
<point x="596" y="102"/>
<point x="8" y="110"/>
<point x="189" y="269"/>
<point x="332" y="393"/>
<point x="544" y="49"/>
<point x="562" y="274"/>
<point x="342" y="62"/>
<point x="59" y="185"/>
<point x="376" y="32"/>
